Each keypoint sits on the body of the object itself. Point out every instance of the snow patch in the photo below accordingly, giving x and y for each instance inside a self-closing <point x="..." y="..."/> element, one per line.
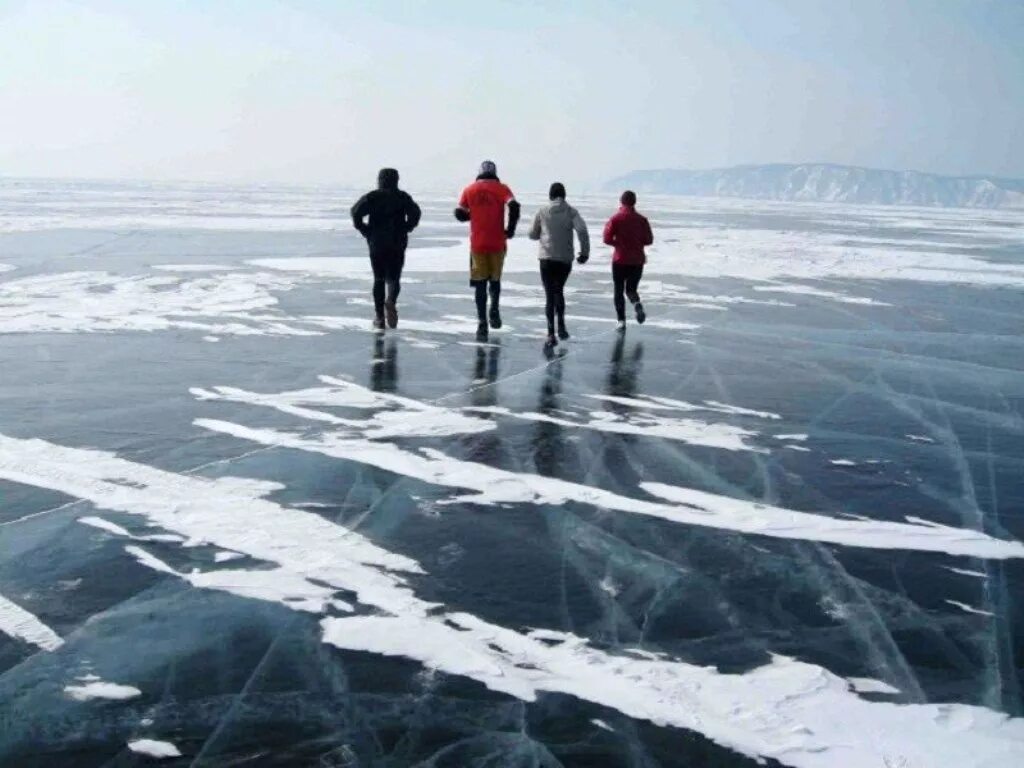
<point x="16" y="622"/>
<point x="153" y="748"/>
<point x="870" y="685"/>
<point x="101" y="690"/>
<point x="231" y="304"/>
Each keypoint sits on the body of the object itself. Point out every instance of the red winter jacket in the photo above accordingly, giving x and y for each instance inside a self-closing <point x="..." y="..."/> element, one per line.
<point x="628" y="232"/>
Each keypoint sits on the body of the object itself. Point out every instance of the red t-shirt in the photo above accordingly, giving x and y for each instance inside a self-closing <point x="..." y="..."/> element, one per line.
<point x="485" y="199"/>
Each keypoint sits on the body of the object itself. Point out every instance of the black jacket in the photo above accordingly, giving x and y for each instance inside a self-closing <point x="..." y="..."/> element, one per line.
<point x="387" y="215"/>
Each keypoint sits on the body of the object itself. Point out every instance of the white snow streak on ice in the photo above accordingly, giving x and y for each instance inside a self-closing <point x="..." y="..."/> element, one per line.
<point x="651" y="402"/>
<point x="101" y="690"/>
<point x="798" y="713"/>
<point x="397" y="416"/>
<point x="969" y="608"/>
<point x="807" y="290"/>
<point x="691" y="431"/>
<point x="154" y="748"/>
<point x="869" y="685"/>
<point x="278" y="585"/>
<point x="967" y="572"/>
<point x="495" y="486"/>
<point x="15" y="621"/>
<point x="227" y="512"/>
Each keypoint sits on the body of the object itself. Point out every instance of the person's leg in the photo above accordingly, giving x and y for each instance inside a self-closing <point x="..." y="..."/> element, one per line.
<point x="497" y="263"/>
<point x="561" y="277"/>
<point x="618" y="285"/>
<point x="393" y="284"/>
<point x="377" y="263"/>
<point x="632" y="284"/>
<point x="478" y="273"/>
<point x="547" y="279"/>
<point x="481" y="301"/>
<point x="394" y="277"/>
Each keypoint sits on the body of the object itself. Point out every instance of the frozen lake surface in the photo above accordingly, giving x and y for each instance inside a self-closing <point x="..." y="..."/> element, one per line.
<point x="782" y="522"/>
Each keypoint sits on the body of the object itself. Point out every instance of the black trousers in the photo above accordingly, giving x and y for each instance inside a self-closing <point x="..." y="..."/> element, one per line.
<point x="553" y="275"/>
<point x="387" y="275"/>
<point x="625" y="278"/>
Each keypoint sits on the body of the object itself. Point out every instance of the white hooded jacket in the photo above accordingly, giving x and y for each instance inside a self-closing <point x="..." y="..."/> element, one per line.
<point x="553" y="227"/>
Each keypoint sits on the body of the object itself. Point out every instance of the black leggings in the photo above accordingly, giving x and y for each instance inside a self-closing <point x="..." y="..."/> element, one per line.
<point x="625" y="277"/>
<point x="387" y="273"/>
<point x="482" y="288"/>
<point x="553" y="275"/>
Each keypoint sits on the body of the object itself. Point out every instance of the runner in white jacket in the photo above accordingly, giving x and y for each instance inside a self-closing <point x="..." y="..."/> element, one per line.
<point x="553" y="227"/>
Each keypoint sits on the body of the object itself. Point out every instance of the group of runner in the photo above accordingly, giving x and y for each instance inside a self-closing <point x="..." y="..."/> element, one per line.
<point x="387" y="215"/>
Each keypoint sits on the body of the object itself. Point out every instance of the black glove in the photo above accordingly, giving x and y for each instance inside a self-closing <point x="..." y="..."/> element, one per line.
<point x="583" y="258"/>
<point x="510" y="232"/>
<point x="462" y="214"/>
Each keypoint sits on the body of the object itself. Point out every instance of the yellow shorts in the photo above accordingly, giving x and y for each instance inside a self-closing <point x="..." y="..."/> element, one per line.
<point x="485" y="266"/>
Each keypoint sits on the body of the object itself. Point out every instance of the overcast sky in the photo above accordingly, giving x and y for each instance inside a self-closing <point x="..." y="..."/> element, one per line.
<point x="300" y="91"/>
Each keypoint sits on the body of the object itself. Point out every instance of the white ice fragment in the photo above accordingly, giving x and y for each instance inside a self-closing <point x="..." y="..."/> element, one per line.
<point x="101" y="690"/>
<point x="843" y="462"/>
<point x="602" y="724"/>
<point x="152" y="748"/>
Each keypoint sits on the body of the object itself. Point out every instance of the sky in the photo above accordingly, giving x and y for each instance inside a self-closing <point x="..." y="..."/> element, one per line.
<point x="325" y="92"/>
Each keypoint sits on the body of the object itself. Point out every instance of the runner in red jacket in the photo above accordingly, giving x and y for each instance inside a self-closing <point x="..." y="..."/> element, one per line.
<point x="482" y="204"/>
<point x="628" y="232"/>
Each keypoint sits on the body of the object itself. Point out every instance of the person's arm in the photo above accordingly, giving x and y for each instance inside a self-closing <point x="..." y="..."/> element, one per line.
<point x="609" y="232"/>
<point x="462" y="209"/>
<point x="535" y="229"/>
<point x="582" y="235"/>
<point x="359" y="212"/>
<point x="513" y="217"/>
<point x="412" y="214"/>
<point x="648" y="234"/>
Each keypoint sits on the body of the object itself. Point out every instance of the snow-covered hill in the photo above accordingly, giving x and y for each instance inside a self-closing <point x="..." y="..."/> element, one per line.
<point x="830" y="183"/>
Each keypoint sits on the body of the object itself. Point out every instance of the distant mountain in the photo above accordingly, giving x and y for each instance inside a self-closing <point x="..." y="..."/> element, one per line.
<point x="821" y="182"/>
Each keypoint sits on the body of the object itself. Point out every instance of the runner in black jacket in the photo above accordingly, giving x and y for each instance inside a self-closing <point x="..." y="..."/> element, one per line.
<point x="385" y="217"/>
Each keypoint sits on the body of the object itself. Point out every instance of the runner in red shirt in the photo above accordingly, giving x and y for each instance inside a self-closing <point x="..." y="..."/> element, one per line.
<point x="628" y="232"/>
<point x="482" y="204"/>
